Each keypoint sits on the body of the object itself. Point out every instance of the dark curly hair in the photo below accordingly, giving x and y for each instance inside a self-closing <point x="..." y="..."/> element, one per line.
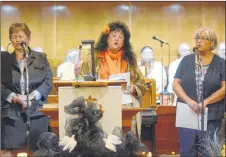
<point x="128" y="54"/>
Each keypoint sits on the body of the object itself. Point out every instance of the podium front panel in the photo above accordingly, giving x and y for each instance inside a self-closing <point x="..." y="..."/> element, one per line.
<point x="109" y="97"/>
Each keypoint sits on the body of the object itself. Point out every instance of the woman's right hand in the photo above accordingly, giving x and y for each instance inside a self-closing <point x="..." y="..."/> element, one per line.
<point x="17" y="100"/>
<point x="194" y="106"/>
<point x="77" y="68"/>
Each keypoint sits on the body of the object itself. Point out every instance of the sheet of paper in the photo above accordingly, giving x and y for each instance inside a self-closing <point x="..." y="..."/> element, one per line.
<point x="186" y="118"/>
<point x="121" y="76"/>
<point x="126" y="98"/>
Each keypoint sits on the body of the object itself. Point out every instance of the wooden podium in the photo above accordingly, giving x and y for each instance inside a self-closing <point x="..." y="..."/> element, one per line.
<point x="107" y="93"/>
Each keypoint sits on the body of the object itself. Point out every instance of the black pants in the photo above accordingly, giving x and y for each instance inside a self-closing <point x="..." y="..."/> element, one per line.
<point x="190" y="139"/>
<point x="14" y="132"/>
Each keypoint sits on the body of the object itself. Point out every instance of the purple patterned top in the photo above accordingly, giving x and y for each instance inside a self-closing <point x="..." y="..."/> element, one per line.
<point x="199" y="77"/>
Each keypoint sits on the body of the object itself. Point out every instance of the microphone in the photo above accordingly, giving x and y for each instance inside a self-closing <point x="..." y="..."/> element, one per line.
<point x="162" y="41"/>
<point x="25" y="47"/>
<point x="195" y="50"/>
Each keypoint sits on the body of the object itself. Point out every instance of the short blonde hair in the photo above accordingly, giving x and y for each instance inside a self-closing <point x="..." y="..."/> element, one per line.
<point x="15" y="27"/>
<point x="209" y="34"/>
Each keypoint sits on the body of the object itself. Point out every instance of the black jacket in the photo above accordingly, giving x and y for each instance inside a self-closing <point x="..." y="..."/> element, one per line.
<point x="40" y="79"/>
<point x="212" y="82"/>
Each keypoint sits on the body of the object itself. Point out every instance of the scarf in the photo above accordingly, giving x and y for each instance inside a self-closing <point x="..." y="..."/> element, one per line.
<point x="112" y="63"/>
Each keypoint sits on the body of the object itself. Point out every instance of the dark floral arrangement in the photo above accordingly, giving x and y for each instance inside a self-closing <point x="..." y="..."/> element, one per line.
<point x="86" y="138"/>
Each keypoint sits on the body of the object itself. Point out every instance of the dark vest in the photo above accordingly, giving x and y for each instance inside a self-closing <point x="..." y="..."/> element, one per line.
<point x="212" y="82"/>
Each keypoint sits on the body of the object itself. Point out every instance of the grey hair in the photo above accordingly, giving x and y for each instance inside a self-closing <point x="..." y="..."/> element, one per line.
<point x="210" y="34"/>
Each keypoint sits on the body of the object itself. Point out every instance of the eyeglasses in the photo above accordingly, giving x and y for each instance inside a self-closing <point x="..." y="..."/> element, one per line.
<point x="201" y="38"/>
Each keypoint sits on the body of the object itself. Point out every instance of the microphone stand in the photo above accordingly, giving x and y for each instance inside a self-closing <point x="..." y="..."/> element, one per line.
<point x="78" y="62"/>
<point x="162" y="93"/>
<point x="28" y="123"/>
<point x="200" y="70"/>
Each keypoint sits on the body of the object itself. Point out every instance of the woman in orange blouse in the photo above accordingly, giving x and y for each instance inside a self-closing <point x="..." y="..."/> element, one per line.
<point x="114" y="54"/>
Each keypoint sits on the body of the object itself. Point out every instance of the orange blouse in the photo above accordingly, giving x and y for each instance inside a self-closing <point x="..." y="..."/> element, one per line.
<point x="112" y="63"/>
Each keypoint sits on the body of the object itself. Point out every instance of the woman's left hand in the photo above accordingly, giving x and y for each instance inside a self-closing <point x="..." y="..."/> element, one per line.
<point x="77" y="68"/>
<point x="205" y="103"/>
<point x="133" y="90"/>
<point x="23" y="98"/>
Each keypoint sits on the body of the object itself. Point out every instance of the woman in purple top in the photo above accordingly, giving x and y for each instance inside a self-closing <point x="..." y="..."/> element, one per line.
<point x="191" y="81"/>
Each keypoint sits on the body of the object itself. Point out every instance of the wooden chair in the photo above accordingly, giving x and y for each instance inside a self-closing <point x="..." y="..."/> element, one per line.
<point x="149" y="99"/>
<point x="54" y="90"/>
<point x="53" y="95"/>
<point x="52" y="99"/>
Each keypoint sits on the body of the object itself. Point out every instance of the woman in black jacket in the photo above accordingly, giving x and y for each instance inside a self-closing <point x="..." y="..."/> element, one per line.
<point x="14" y="106"/>
<point x="188" y="86"/>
